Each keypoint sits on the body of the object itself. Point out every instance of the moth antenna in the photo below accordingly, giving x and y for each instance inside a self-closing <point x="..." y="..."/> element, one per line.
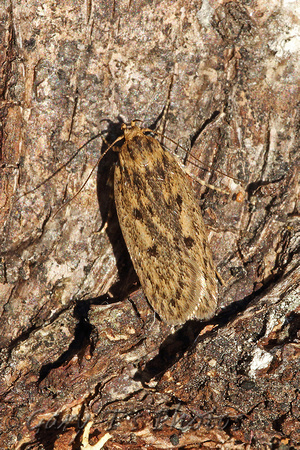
<point x="213" y="170"/>
<point x="202" y="163"/>
<point x="59" y="169"/>
<point x="210" y="186"/>
<point x="162" y="126"/>
<point x="90" y="174"/>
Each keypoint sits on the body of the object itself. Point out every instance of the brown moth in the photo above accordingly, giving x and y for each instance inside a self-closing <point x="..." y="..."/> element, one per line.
<point x="163" y="229"/>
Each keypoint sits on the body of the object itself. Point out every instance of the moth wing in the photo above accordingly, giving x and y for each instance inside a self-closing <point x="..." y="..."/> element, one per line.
<point x="164" y="232"/>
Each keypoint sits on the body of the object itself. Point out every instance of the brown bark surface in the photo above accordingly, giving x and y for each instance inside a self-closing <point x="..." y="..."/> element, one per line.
<point x="84" y="363"/>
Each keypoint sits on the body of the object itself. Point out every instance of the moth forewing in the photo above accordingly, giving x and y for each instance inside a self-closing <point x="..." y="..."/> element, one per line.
<point x="164" y="231"/>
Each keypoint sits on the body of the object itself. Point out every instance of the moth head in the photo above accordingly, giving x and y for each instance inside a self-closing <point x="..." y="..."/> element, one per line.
<point x="132" y="130"/>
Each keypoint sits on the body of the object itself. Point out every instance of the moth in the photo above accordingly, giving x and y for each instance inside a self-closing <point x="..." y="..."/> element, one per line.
<point x="163" y="229"/>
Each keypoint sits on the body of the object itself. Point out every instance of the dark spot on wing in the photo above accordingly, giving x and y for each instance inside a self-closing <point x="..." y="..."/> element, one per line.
<point x="160" y="172"/>
<point x="148" y="172"/>
<point x="152" y="251"/>
<point x="189" y="242"/>
<point x="181" y="284"/>
<point x="177" y="294"/>
<point x="137" y="214"/>
<point x="179" y="200"/>
<point x="136" y="180"/>
<point x="172" y="303"/>
<point x="150" y="209"/>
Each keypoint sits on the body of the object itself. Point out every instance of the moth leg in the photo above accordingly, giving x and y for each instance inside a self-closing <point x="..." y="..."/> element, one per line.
<point x="210" y="186"/>
<point x="220" y="278"/>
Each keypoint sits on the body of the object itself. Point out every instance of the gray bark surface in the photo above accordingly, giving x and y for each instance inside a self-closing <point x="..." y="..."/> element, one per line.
<point x="84" y="362"/>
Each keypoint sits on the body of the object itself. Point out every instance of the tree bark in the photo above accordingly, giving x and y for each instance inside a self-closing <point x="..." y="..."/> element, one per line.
<point x="84" y="361"/>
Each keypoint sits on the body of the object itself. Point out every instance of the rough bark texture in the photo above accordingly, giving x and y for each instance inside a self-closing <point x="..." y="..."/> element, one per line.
<point x="81" y="365"/>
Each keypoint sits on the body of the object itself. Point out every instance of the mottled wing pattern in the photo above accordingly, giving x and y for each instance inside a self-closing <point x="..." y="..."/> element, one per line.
<point x="163" y="229"/>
